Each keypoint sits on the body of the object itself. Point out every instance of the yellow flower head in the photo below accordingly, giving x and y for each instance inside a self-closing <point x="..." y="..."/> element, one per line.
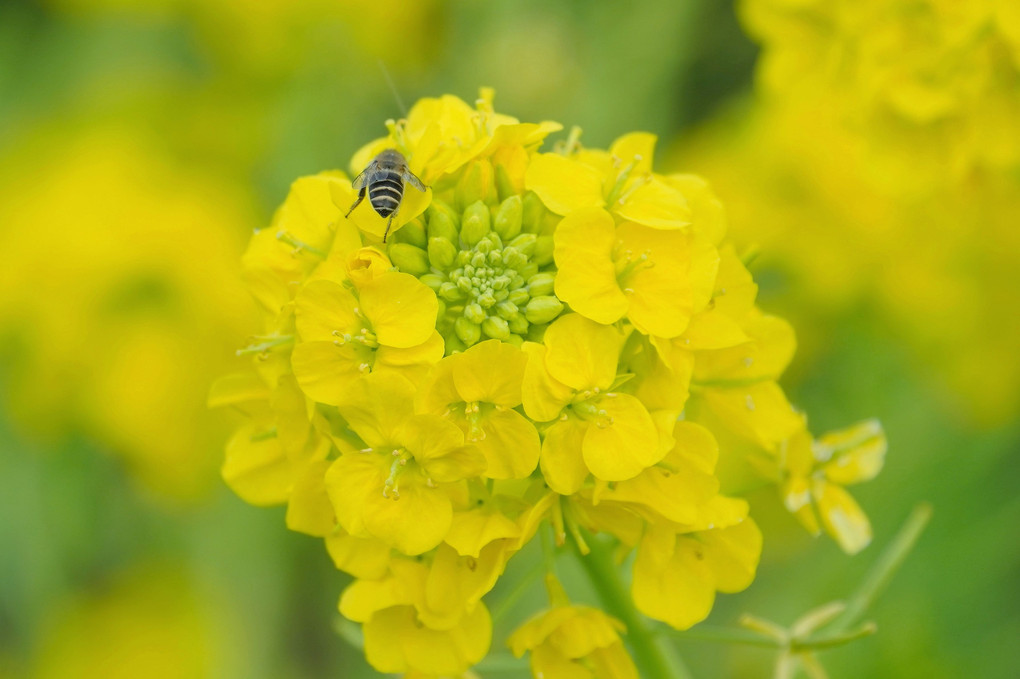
<point x="574" y="641"/>
<point x="543" y="339"/>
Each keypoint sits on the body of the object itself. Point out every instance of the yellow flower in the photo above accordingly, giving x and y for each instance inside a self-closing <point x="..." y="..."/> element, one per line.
<point x="573" y="641"/>
<point x="398" y="487"/>
<point x="572" y="312"/>
<point x="115" y="326"/>
<point x="815" y="471"/>
<point x="570" y="379"/>
<point x="676" y="576"/>
<point x="482" y="405"/>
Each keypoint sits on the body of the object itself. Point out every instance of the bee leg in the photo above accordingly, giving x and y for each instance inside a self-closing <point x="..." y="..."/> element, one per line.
<point x="388" y="225"/>
<point x="361" y="197"/>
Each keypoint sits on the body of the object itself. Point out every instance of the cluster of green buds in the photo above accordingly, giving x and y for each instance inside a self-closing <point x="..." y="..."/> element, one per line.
<point x="491" y="268"/>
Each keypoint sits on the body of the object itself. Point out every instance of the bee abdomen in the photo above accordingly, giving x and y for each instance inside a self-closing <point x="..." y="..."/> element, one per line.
<point x="385" y="193"/>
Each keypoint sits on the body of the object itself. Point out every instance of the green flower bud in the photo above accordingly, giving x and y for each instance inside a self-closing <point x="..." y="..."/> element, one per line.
<point x="543" y="309"/>
<point x="441" y="312"/>
<point x="515" y="340"/>
<point x="477" y="184"/>
<point x="442" y="253"/>
<point x="519" y="325"/>
<point x="485" y="246"/>
<point x="500" y="282"/>
<point x="432" y="280"/>
<point x="507" y="310"/>
<point x="496" y="328"/>
<point x="541" y="284"/>
<point x="501" y="294"/>
<point x="475" y="223"/>
<point x="409" y="258"/>
<point x="478" y="260"/>
<point x="534" y="212"/>
<point x="487" y="299"/>
<point x="515" y="259"/>
<point x="450" y="292"/>
<point x="474" y="313"/>
<point x="528" y="270"/>
<point x="524" y="243"/>
<point x="443" y="221"/>
<point x="509" y="217"/>
<point x="543" y="251"/>
<point x="504" y="185"/>
<point x="412" y="233"/>
<point x="463" y="257"/>
<point x="519" y="297"/>
<point x="465" y="284"/>
<point x="468" y="332"/>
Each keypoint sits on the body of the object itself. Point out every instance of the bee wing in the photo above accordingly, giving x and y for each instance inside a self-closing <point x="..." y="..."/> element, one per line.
<point x="360" y="181"/>
<point x="412" y="180"/>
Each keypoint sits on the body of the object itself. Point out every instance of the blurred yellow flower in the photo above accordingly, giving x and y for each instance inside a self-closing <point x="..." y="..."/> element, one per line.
<point x="119" y="299"/>
<point x="519" y="353"/>
<point x="878" y="166"/>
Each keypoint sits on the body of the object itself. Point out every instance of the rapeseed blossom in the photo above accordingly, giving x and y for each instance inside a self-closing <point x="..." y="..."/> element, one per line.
<point x="119" y="298"/>
<point x="878" y="168"/>
<point x="548" y="342"/>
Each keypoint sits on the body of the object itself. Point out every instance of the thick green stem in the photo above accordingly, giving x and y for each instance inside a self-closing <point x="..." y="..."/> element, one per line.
<point x="655" y="656"/>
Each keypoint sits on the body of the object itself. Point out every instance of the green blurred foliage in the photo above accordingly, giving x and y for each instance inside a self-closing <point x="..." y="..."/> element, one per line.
<point x="74" y="524"/>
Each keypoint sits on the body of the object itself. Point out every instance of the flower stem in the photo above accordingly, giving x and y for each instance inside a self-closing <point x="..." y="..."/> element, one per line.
<point x="881" y="573"/>
<point x="655" y="656"/>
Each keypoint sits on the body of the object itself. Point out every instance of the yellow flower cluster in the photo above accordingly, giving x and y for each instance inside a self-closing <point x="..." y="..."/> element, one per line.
<point x="111" y="322"/>
<point x="880" y="164"/>
<point x="546" y="338"/>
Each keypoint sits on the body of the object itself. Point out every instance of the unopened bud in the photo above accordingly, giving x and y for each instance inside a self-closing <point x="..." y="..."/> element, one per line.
<point x="543" y="309"/>
<point x="496" y="328"/>
<point x="509" y="217"/>
<point x="541" y="284"/>
<point x="468" y="332"/>
<point x="442" y="253"/>
<point x="475" y="223"/>
<point x="409" y="258"/>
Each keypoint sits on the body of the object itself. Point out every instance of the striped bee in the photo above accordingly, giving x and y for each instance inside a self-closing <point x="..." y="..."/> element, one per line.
<point x="383" y="180"/>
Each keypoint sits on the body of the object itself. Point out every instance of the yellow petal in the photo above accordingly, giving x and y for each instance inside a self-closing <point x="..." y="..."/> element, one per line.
<point x="655" y="204"/>
<point x="842" y="517"/>
<point x="510" y="445"/>
<point x="323" y="307"/>
<point x="637" y="148"/>
<point x="324" y="370"/>
<point x="582" y="353"/>
<point x="256" y="467"/>
<point x="413" y="362"/>
<point x="624" y="448"/>
<point x="733" y="554"/>
<point x="586" y="276"/>
<point x="564" y="185"/>
<point x="760" y="412"/>
<point x="309" y="509"/>
<point x="413" y="521"/>
<point x="361" y="557"/>
<point x="308" y="210"/>
<point x="707" y="214"/>
<point x="401" y="309"/>
<point x="543" y="396"/>
<point x="350" y="480"/>
<point x="674" y="282"/>
<point x="237" y="390"/>
<point x="563" y="467"/>
<point x="856" y="454"/>
<point x="476" y="380"/>
<point x="678" y="589"/>
<point x="472" y="530"/>
<point x="376" y="406"/>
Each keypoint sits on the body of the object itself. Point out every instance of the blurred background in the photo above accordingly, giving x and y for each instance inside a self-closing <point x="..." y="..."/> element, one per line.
<point x="867" y="152"/>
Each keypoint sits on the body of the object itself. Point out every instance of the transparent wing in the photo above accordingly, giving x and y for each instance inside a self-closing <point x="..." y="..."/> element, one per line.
<point x="413" y="181"/>
<point x="360" y="181"/>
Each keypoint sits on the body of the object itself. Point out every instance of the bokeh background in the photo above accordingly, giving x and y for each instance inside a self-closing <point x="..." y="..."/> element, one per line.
<point x="141" y="142"/>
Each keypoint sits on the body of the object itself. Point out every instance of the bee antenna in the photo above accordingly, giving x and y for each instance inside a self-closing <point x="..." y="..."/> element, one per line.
<point x="393" y="88"/>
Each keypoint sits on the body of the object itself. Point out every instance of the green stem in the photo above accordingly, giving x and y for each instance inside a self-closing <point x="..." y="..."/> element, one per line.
<point x="884" y="569"/>
<point x="724" y="635"/>
<point x="655" y="656"/>
<point x="831" y="641"/>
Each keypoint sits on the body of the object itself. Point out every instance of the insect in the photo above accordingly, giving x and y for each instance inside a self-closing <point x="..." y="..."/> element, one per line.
<point x="383" y="180"/>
